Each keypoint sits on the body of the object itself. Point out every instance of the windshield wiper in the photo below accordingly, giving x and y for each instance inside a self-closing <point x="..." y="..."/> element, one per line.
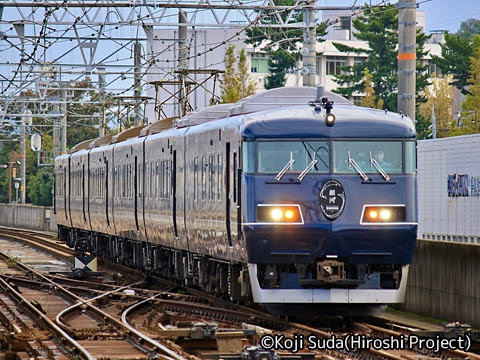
<point x="353" y="163"/>
<point x="285" y="168"/>
<point x="307" y="169"/>
<point x="378" y="167"/>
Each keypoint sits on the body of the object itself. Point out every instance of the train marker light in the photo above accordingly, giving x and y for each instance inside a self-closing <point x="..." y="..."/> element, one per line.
<point x="279" y="214"/>
<point x="378" y="214"/>
<point x="289" y="214"/>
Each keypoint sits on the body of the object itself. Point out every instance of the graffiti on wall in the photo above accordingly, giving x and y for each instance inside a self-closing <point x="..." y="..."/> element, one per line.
<point x="463" y="185"/>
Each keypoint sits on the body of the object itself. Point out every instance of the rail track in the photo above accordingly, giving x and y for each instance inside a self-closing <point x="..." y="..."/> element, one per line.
<point x="55" y="317"/>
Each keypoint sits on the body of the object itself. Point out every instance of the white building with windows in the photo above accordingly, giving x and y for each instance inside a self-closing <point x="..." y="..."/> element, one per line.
<point x="207" y="49"/>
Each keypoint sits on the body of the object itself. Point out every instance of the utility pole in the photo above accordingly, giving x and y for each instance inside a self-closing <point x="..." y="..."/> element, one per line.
<point x="23" y="153"/>
<point x="137" y="49"/>
<point x="101" y="98"/>
<point x="309" y="51"/>
<point x="407" y="21"/>
<point x="182" y="61"/>
<point x="63" y="119"/>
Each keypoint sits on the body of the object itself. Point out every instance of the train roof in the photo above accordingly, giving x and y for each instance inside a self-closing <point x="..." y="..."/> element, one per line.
<point x="307" y="122"/>
<point x="262" y="101"/>
<point x="279" y="111"/>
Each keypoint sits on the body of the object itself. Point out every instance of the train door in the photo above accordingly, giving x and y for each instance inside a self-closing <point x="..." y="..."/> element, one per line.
<point x="84" y="193"/>
<point x="66" y="196"/>
<point x="174" y="192"/>
<point x="87" y="193"/>
<point x="178" y="198"/>
<point x="231" y="194"/>
<point x="107" y="192"/>
<point x="135" y="192"/>
<point x="69" y="195"/>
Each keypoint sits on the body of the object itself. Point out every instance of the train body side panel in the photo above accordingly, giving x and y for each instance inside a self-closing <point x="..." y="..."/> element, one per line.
<point x="100" y="199"/>
<point x="163" y="225"/>
<point x="61" y="191"/>
<point x="211" y="190"/>
<point x="79" y="183"/>
<point x="125" y="195"/>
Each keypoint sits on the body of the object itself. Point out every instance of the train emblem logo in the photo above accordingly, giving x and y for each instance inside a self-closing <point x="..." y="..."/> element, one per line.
<point x="332" y="199"/>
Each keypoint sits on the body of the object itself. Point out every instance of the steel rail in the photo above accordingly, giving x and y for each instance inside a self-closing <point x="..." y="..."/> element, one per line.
<point x="18" y="298"/>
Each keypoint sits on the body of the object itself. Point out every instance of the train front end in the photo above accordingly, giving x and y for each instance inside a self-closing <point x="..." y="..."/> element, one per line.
<point x="329" y="223"/>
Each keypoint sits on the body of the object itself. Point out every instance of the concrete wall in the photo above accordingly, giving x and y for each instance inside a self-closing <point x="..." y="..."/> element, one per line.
<point x="449" y="189"/>
<point x="444" y="282"/>
<point x="28" y="217"/>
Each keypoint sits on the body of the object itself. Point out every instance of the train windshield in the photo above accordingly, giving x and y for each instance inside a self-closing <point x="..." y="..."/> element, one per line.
<point x="366" y="155"/>
<point x="294" y="156"/>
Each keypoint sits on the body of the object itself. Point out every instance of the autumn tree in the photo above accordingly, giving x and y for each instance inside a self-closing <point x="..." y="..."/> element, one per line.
<point x="439" y="95"/>
<point x="235" y="85"/>
<point x="245" y="86"/>
<point x="370" y="100"/>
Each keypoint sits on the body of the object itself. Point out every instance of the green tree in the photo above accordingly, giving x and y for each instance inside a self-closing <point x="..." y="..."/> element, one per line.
<point x="279" y="62"/>
<point x="469" y="28"/>
<point x="455" y="59"/>
<point x="281" y="43"/>
<point x="379" y="28"/>
<point x="471" y="106"/>
<point x="235" y="85"/>
<point x="40" y="187"/>
<point x="83" y="112"/>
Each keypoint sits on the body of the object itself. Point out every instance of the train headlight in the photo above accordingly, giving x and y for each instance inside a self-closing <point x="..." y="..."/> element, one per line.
<point x="383" y="214"/>
<point x="281" y="214"/>
<point x="329" y="119"/>
<point x="277" y="214"/>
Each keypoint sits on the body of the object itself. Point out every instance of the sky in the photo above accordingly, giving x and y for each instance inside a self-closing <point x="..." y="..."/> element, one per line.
<point x="439" y="14"/>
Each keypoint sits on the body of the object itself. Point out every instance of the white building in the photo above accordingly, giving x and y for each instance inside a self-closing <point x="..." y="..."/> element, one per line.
<point x="207" y="49"/>
<point x="449" y="189"/>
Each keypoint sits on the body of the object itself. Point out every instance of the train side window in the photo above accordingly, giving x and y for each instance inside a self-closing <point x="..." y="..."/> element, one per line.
<point x="124" y="182"/>
<point x="211" y="172"/>
<point x="59" y="185"/>
<point x="195" y="178"/>
<point x="220" y="178"/>
<point x="130" y="181"/>
<point x="248" y="156"/>
<point x="140" y="180"/>
<point x="235" y="166"/>
<point x="152" y="179"/>
<point x="147" y="183"/>
<point x="158" y="180"/>
<point x="204" y="176"/>
<point x="410" y="157"/>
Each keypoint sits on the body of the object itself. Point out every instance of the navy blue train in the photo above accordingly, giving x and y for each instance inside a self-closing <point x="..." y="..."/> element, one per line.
<point x="299" y="202"/>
